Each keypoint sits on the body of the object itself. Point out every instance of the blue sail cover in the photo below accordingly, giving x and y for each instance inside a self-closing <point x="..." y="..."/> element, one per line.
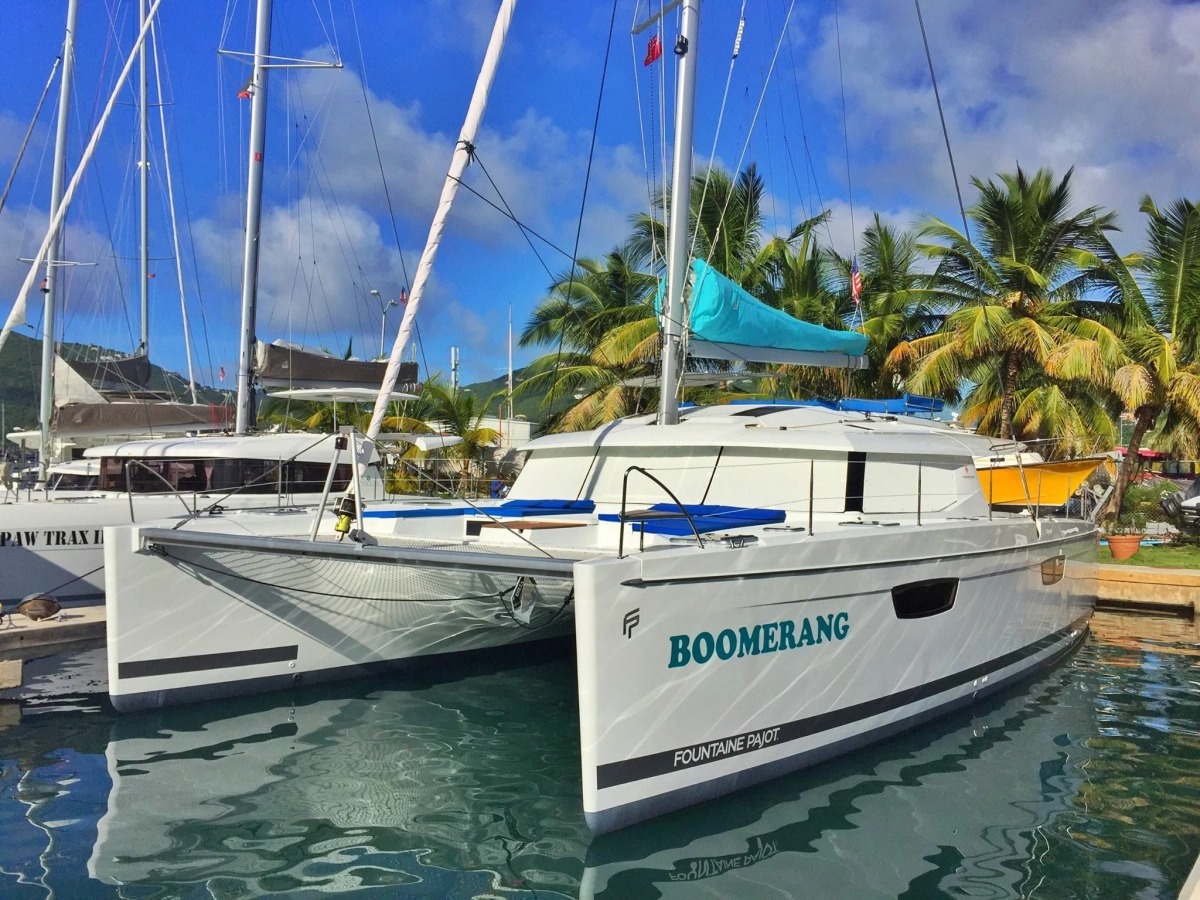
<point x="727" y="322"/>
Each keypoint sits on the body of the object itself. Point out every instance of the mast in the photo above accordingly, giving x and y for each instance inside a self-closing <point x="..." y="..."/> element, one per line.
<point x="143" y="191"/>
<point x="254" y="181"/>
<point x="183" y="315"/>
<point x="510" y="367"/>
<point x="677" y="226"/>
<point x="54" y="252"/>
<point x="458" y="165"/>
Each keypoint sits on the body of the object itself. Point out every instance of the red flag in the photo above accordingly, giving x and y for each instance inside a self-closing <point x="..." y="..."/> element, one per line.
<point x="855" y="283"/>
<point x="403" y="296"/>
<point x="653" y="50"/>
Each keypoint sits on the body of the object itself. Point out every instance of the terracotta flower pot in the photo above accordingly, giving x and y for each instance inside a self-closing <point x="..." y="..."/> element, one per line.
<point x="1124" y="546"/>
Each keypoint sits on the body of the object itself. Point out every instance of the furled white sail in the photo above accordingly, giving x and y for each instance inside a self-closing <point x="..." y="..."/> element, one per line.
<point x="458" y="165"/>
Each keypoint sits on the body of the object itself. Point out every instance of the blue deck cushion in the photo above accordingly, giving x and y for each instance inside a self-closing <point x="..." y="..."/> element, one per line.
<point x="508" y="508"/>
<point x="705" y="516"/>
<point x="541" y="507"/>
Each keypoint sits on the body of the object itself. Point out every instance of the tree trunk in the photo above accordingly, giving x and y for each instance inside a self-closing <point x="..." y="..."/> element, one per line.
<point x="1143" y="420"/>
<point x="1007" y="395"/>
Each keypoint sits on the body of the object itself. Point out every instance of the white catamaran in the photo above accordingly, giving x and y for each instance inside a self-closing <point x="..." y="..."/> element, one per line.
<point x="754" y="587"/>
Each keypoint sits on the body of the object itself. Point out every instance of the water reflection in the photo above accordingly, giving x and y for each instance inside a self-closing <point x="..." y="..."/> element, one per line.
<point x="1082" y="784"/>
<point x="931" y="799"/>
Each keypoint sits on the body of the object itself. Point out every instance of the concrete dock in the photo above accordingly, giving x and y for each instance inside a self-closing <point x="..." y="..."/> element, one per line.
<point x="1170" y="592"/>
<point x="21" y="639"/>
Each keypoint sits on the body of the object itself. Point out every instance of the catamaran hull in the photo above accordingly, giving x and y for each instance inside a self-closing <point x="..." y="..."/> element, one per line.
<point x="57" y="547"/>
<point x="190" y="620"/>
<point x="702" y="672"/>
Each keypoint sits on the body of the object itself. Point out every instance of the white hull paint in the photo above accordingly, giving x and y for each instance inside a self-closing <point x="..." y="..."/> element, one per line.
<point x="56" y="546"/>
<point x="198" y="621"/>
<point x="659" y="733"/>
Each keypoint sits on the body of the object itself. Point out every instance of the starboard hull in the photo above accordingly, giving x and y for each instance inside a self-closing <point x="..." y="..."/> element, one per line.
<point x="761" y="665"/>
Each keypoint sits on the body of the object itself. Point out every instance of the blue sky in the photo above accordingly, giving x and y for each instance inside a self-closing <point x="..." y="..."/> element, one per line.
<point x="1112" y="89"/>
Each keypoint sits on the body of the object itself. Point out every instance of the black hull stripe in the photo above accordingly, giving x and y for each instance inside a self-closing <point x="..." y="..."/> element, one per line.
<point x="653" y="764"/>
<point x="176" y="664"/>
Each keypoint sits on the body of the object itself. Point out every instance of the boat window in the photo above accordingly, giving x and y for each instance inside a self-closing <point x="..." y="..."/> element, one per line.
<point x="553" y="473"/>
<point x="921" y="599"/>
<point x="68" y="481"/>
<point x="856" y="464"/>
<point x="777" y="478"/>
<point x="686" y="471"/>
<point x="890" y="484"/>
<point x="249" y="476"/>
<point x="758" y="411"/>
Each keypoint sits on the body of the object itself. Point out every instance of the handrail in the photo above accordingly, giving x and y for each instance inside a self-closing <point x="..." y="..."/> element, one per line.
<point x="624" y="497"/>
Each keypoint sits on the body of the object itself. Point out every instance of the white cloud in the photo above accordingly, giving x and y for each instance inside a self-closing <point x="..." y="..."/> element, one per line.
<point x="1111" y="89"/>
<point x="94" y="308"/>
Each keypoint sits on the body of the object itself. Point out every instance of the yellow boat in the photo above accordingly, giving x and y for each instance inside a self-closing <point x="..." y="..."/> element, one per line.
<point x="1009" y="481"/>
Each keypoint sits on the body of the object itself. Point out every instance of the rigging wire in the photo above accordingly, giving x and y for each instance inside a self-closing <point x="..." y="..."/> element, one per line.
<point x="525" y="228"/>
<point x="586" y="182"/>
<point x="29" y="132"/>
<point x="712" y="155"/>
<point x="509" y="213"/>
<point x="375" y="140"/>
<point x="846" y="143"/>
<point x="162" y="124"/>
<point x="942" y="117"/>
<point x="649" y="159"/>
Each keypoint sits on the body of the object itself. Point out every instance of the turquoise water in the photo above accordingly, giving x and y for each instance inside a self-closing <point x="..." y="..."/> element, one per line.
<point x="1085" y="783"/>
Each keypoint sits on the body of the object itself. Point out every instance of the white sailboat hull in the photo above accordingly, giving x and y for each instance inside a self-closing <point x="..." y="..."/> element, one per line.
<point x="703" y="672"/>
<point x="57" y="547"/>
<point x="193" y="620"/>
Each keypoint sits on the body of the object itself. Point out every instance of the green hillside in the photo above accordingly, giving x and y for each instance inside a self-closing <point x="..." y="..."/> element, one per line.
<point x="20" y="371"/>
<point x="528" y="406"/>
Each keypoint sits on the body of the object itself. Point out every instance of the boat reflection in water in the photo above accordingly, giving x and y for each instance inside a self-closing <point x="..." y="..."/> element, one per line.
<point x="923" y="815"/>
<point x="456" y="788"/>
<point x="452" y="789"/>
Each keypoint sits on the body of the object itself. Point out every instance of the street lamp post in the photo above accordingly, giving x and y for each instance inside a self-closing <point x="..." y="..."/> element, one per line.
<point x="384" y="307"/>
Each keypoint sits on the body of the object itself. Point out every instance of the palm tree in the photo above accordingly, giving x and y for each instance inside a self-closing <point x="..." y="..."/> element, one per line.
<point x="1012" y="294"/>
<point x="600" y="322"/>
<point x="1159" y="382"/>
<point x="894" y="308"/>
<point x="460" y="413"/>
<point x="726" y="224"/>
